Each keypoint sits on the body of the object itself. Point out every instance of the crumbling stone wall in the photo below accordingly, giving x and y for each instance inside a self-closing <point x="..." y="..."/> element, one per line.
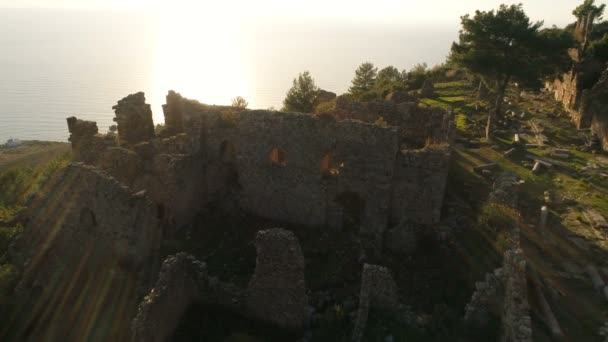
<point x="379" y="291"/>
<point x="301" y="191"/>
<point x="277" y="290"/>
<point x="418" y="126"/>
<point x="134" y="119"/>
<point x="516" y="321"/>
<point x="86" y="143"/>
<point x="287" y="166"/>
<point x="84" y="207"/>
<point x="276" y="293"/>
<point x="597" y="107"/>
<point x="182" y="281"/>
<point x="571" y="87"/>
<point x="82" y="219"/>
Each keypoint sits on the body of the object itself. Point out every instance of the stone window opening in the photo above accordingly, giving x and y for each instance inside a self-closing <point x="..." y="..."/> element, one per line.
<point x="227" y="152"/>
<point x="277" y="157"/>
<point x="329" y="167"/>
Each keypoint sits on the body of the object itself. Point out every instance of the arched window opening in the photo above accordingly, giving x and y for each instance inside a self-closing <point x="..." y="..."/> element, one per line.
<point x="329" y="166"/>
<point x="277" y="157"/>
<point x="227" y="152"/>
<point x="353" y="207"/>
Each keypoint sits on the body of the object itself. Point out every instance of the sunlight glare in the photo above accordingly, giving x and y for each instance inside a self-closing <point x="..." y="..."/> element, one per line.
<point x="200" y="56"/>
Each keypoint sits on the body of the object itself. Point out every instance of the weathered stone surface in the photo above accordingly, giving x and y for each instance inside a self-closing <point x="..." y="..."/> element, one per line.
<point x="84" y="207"/>
<point x="597" y="107"/>
<point x="174" y="112"/>
<point x="476" y="310"/>
<point x="379" y="291"/>
<point x="571" y="88"/>
<point x="87" y="237"/>
<point x="121" y="163"/>
<point x="342" y="174"/>
<point x="516" y="321"/>
<point x="277" y="290"/>
<point x="134" y="119"/>
<point x="86" y="144"/>
<point x="181" y="282"/>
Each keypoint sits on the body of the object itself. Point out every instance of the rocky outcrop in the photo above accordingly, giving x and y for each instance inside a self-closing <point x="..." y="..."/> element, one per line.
<point x="378" y="291"/>
<point x="277" y="290"/>
<point x="134" y="119"/>
<point x="181" y="282"/>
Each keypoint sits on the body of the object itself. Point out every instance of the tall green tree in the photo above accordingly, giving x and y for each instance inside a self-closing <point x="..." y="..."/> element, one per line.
<point x="504" y="46"/>
<point x="365" y="79"/>
<point x="389" y="79"/>
<point x="302" y="95"/>
<point x="417" y="75"/>
<point x="586" y="13"/>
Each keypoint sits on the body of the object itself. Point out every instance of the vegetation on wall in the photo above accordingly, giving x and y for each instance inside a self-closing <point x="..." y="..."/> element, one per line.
<point x="302" y="95"/>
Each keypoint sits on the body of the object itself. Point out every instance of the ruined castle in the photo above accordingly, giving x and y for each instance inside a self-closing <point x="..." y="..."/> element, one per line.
<point x="133" y="188"/>
<point x="289" y="167"/>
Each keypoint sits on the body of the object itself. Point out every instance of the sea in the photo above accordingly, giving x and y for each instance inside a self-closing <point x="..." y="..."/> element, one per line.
<point x="60" y="63"/>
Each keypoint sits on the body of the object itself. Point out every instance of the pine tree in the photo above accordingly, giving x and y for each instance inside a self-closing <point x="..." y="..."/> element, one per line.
<point x="302" y="95"/>
<point x="365" y="79"/>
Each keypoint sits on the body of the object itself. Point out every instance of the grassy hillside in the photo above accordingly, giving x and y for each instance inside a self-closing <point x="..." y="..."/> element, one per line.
<point x="22" y="171"/>
<point x="577" y="185"/>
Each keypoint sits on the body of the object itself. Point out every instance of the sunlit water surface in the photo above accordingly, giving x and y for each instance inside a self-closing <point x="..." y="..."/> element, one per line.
<point x="55" y="64"/>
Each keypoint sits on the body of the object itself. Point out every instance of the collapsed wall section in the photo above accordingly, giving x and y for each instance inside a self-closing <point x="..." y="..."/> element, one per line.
<point x="89" y="248"/>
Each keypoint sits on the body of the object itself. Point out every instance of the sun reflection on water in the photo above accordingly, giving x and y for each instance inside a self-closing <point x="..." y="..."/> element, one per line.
<point x="200" y="57"/>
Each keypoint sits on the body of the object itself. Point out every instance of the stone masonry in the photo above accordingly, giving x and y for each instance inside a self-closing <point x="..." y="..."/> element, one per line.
<point x="289" y="167"/>
<point x="277" y="290"/>
<point x="134" y="119"/>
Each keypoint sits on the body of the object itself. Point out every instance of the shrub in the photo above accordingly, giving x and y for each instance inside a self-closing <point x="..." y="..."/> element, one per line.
<point x="6" y="236"/>
<point x="498" y="217"/>
<point x="326" y="107"/>
<point x="239" y="102"/>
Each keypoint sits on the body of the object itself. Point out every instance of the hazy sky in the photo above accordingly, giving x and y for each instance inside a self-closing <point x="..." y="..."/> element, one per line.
<point x="390" y="11"/>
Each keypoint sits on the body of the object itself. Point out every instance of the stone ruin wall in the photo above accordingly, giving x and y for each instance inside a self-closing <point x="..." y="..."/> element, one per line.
<point x="418" y="126"/>
<point x="575" y="90"/>
<point x="507" y="285"/>
<point x="597" y="106"/>
<point x="368" y="158"/>
<point x="289" y="167"/>
<point x="82" y="218"/>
